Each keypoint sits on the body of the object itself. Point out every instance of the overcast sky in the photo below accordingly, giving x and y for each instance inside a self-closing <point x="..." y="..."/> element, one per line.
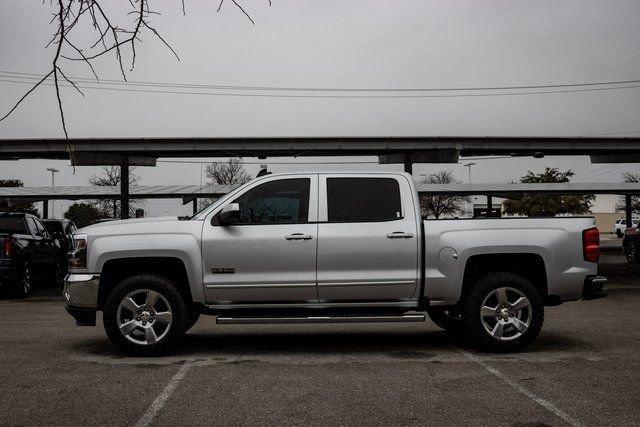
<point x="345" y="44"/>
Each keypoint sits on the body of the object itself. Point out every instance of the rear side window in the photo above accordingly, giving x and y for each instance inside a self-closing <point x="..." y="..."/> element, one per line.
<point x="32" y="226"/>
<point x="13" y="226"/>
<point x="54" y="228"/>
<point x="363" y="199"/>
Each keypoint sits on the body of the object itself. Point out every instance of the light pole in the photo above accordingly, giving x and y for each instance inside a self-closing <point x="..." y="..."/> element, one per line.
<point x="468" y="165"/>
<point x="53" y="184"/>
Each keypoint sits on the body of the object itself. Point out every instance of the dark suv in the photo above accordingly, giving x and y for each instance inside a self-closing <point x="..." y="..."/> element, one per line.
<point x="28" y="253"/>
<point x="60" y="229"/>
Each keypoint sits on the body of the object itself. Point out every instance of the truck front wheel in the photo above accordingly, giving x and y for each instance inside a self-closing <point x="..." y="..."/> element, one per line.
<point x="145" y="315"/>
<point x="502" y="312"/>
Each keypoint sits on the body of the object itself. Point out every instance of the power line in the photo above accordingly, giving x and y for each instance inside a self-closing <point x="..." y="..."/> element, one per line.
<point x="261" y="95"/>
<point x="35" y="77"/>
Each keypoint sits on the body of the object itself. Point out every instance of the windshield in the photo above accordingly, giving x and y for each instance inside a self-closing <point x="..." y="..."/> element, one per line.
<point x="12" y="226"/>
<point x="205" y="211"/>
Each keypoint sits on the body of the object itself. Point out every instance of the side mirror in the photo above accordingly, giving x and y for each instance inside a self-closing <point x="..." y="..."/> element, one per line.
<point x="230" y="214"/>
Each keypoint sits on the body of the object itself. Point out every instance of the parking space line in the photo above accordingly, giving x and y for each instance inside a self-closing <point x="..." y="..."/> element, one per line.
<point x="540" y="401"/>
<point x="162" y="398"/>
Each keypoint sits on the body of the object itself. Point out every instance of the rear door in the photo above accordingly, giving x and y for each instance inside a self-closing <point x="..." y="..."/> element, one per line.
<point x="367" y="239"/>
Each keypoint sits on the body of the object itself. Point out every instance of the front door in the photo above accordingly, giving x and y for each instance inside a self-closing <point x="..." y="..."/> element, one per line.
<point x="367" y="239"/>
<point x="270" y="254"/>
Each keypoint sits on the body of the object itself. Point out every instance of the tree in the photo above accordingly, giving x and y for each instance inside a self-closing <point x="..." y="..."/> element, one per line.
<point x="231" y="172"/>
<point x="5" y="206"/>
<point x="635" y="200"/>
<point x="438" y="205"/>
<point x="83" y="214"/>
<point x="541" y="205"/>
<point x="72" y="17"/>
<point x="111" y="177"/>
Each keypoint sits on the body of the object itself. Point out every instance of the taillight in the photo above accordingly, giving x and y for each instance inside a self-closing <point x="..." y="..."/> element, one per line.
<point x="8" y="247"/>
<point x="591" y="244"/>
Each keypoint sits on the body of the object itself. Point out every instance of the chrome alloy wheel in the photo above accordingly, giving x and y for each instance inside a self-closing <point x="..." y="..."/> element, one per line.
<point x="26" y="280"/>
<point x="144" y="317"/>
<point x="506" y="313"/>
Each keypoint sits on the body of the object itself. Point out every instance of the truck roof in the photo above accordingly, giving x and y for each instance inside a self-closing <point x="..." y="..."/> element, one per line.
<point x="16" y="215"/>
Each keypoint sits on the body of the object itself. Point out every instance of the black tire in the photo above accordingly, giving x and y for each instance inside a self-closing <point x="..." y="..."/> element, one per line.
<point x="175" y="303"/>
<point x="474" y="326"/>
<point x="446" y="318"/>
<point x="59" y="276"/>
<point x="619" y="234"/>
<point x="24" y="282"/>
<point x="631" y="252"/>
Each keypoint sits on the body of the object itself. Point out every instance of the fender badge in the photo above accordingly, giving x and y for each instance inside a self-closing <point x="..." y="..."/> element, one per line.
<point x="223" y="270"/>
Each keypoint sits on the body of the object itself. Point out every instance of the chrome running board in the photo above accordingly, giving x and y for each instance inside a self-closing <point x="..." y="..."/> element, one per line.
<point x="226" y="320"/>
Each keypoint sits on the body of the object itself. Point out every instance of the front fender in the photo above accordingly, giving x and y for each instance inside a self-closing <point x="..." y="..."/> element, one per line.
<point x="184" y="247"/>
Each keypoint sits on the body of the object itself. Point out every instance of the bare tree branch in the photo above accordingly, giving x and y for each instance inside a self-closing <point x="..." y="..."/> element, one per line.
<point x="110" y="38"/>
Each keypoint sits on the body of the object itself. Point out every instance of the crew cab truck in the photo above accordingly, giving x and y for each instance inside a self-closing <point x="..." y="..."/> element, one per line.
<point x="28" y="253"/>
<point x="328" y="247"/>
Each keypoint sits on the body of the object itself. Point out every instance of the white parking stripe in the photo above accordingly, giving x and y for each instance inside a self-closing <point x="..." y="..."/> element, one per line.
<point x="540" y="401"/>
<point x="162" y="398"/>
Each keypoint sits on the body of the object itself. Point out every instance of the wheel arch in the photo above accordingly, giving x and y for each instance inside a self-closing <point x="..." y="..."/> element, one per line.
<point x="117" y="269"/>
<point x="531" y="266"/>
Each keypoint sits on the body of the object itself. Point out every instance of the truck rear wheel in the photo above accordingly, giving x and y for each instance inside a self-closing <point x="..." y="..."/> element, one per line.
<point x="631" y="252"/>
<point x="24" y="282"/>
<point x="503" y="312"/>
<point x="145" y="315"/>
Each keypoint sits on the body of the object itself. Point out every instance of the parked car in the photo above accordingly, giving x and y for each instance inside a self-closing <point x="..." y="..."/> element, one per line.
<point x="62" y="230"/>
<point x="329" y="248"/>
<point x="631" y="245"/>
<point x="28" y="254"/>
<point x="621" y="225"/>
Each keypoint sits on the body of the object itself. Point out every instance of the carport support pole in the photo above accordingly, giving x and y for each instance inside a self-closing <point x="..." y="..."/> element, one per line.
<point x="627" y="209"/>
<point x="408" y="166"/>
<point x="195" y="206"/>
<point x="489" y="206"/>
<point x="124" y="187"/>
<point x="45" y="209"/>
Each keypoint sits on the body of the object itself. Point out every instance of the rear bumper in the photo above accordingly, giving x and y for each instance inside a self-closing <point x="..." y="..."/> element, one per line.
<point x="594" y="287"/>
<point x="81" y="297"/>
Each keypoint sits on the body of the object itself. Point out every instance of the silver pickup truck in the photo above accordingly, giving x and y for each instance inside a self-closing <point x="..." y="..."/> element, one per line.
<point x="328" y="248"/>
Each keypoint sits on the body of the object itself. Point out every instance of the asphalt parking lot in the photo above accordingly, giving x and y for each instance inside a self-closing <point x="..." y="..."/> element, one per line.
<point x="583" y="370"/>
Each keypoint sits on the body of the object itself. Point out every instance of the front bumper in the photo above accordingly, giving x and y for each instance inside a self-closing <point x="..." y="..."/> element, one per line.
<point x="81" y="297"/>
<point x="594" y="287"/>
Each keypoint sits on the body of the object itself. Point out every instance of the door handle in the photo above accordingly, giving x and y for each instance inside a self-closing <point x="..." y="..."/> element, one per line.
<point x="399" y="235"/>
<point x="298" y="236"/>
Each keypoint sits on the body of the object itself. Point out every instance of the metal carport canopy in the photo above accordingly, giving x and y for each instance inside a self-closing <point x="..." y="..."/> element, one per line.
<point x="609" y="147"/>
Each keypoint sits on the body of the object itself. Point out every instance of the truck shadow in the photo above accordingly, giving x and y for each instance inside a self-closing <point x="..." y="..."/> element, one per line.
<point x="239" y="347"/>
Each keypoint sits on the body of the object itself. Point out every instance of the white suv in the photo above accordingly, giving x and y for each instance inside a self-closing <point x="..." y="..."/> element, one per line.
<point x="621" y="225"/>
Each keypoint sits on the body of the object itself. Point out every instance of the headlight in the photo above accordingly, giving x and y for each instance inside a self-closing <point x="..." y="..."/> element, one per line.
<point x="78" y="252"/>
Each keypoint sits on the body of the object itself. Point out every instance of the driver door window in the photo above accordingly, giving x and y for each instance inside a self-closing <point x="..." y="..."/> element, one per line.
<point x="277" y="202"/>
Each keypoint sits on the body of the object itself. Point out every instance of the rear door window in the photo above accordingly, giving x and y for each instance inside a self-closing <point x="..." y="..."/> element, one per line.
<point x="13" y="226"/>
<point x="363" y="200"/>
